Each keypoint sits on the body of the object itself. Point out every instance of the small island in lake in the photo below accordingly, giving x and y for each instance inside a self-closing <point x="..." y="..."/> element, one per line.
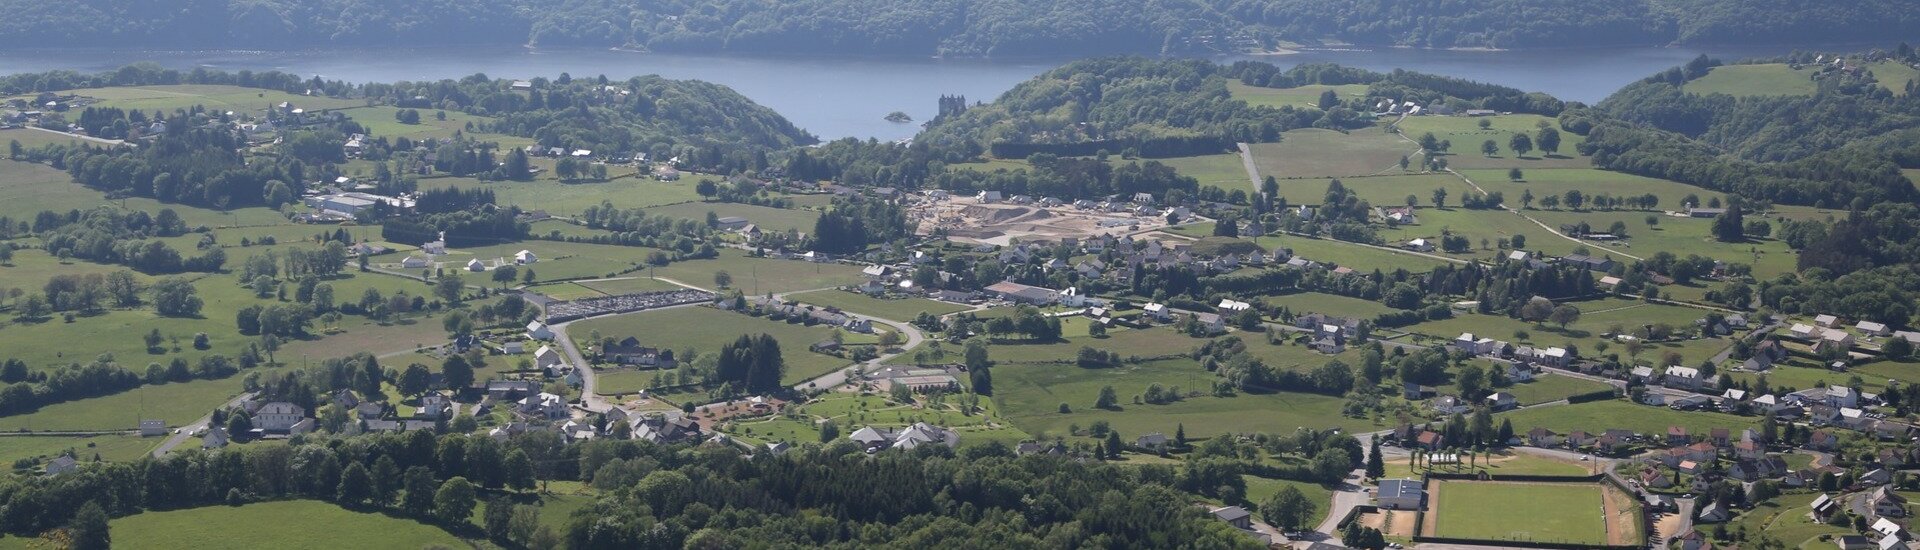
<point x="899" y="116"/>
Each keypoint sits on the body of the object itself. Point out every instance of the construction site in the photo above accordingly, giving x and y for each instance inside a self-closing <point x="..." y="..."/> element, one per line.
<point x="968" y="220"/>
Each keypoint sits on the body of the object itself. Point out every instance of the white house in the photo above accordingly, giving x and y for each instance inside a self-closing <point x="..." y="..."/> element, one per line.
<point x="1419" y="245"/>
<point x="553" y="407"/>
<point x="539" y="331"/>
<point x="524" y="257"/>
<point x="475" y="265"/>
<point x="1234" y="305"/>
<point x="414" y="262"/>
<point x="1157" y="311"/>
<point x="1502" y="401"/>
<point x="278" y="416"/>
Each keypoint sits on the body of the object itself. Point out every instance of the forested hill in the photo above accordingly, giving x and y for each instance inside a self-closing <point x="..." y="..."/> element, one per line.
<point x="1162" y="108"/>
<point x="945" y="27"/>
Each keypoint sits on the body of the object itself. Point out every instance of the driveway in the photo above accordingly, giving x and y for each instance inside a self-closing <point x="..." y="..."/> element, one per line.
<point x="181" y="435"/>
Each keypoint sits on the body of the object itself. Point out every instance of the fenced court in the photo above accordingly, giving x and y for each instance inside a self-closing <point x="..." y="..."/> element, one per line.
<point x="1563" y="513"/>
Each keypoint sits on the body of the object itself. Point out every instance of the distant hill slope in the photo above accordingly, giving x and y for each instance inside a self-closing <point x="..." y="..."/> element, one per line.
<point x="946" y="27"/>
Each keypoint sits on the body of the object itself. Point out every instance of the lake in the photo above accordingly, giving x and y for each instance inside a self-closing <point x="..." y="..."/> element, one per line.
<point x="836" y="97"/>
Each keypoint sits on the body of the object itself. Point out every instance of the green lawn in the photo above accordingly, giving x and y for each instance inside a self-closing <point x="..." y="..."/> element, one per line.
<point x="1591" y="182"/>
<point x="705" y="330"/>
<point x="294" y="524"/>
<point x="570" y="198"/>
<point x="1386" y="190"/>
<point x="1317" y="153"/>
<point x="768" y="218"/>
<point x="1552" y="512"/>
<point x="1467" y="138"/>
<point x="1360" y="258"/>
<point x="757" y="276"/>
<point x="1225" y="171"/>
<point x="1259" y="488"/>
<point x="112" y="448"/>
<point x="177" y="403"/>
<point x="31" y="138"/>
<point x="1754" y="80"/>
<point x="1302" y="97"/>
<point x="379" y="121"/>
<point x="557" y="260"/>
<point x="566" y="291"/>
<point x="630" y="285"/>
<point x="896" y="309"/>
<point x="1893" y="75"/>
<point x="1599" y="416"/>
<point x="1030" y="396"/>
<point x="1331" y="304"/>
<point x="1551" y="387"/>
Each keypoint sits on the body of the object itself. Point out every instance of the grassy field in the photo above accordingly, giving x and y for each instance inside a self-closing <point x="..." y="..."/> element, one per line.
<point x="1785" y="518"/>
<point x="1588" y="181"/>
<point x="553" y="196"/>
<point x="557" y="260"/>
<point x="1384" y="191"/>
<point x="27" y="188"/>
<point x="215" y="97"/>
<point x="901" y="309"/>
<point x="1551" y="387"/>
<point x="1475" y="225"/>
<point x="769" y="219"/>
<point x="295" y="524"/>
<point x="757" y="276"/>
<point x="1259" y="488"/>
<point x="1151" y="342"/>
<point x="1556" y="512"/>
<point x="1314" y="302"/>
<point x="1358" y="257"/>
<point x="1467" y="137"/>
<point x="630" y="285"/>
<point x="379" y="122"/>
<point x="1681" y="236"/>
<point x="1599" y="416"/>
<point x="111" y="448"/>
<point x="1225" y="171"/>
<point x="1030" y="396"/>
<point x="1754" y="80"/>
<point x="30" y="138"/>
<point x="567" y="291"/>
<point x="1302" y="97"/>
<point x="177" y="403"/>
<point x="1316" y="153"/>
<point x="1893" y="75"/>
<point x="705" y="330"/>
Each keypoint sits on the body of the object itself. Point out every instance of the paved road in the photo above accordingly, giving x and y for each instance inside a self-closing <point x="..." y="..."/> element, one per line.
<point x="181" y="435"/>
<point x="838" y="377"/>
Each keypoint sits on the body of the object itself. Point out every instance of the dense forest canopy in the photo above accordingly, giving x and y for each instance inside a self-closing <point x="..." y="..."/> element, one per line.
<point x="943" y="27"/>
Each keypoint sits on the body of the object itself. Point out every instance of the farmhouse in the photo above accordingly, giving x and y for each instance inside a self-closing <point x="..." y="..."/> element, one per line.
<point x="539" y="331"/>
<point x="921" y="433"/>
<point x="278" y="416"/>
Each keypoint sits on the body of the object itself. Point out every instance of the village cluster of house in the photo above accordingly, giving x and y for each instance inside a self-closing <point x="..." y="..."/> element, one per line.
<point x="1138" y="204"/>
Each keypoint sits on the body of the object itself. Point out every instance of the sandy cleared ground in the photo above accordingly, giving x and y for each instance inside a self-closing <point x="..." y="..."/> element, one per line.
<point x="967" y="220"/>
<point x="1394" y="523"/>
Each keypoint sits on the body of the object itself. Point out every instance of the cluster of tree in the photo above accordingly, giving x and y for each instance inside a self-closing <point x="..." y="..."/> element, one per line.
<point x="110" y="235"/>
<point x="751" y="364"/>
<point x="469" y="228"/>
<point x="1117" y="102"/>
<point x="855" y="222"/>
<point x="1074" y="178"/>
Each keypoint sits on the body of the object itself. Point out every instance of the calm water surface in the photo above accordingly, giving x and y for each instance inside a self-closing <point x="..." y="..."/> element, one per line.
<point x="842" y="97"/>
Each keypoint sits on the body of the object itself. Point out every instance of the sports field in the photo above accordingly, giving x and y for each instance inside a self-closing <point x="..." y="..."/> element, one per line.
<point x="1573" y="513"/>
